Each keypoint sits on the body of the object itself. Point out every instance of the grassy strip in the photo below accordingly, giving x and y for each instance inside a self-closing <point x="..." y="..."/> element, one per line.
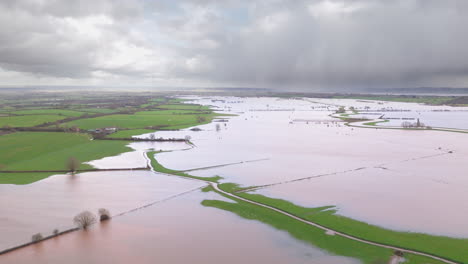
<point x="451" y="248"/>
<point x="375" y="123"/>
<point x="160" y="168"/>
<point x="50" y="151"/>
<point x="334" y="244"/>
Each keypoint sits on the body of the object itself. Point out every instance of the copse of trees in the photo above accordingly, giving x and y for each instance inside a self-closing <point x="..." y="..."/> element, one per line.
<point x="417" y="124"/>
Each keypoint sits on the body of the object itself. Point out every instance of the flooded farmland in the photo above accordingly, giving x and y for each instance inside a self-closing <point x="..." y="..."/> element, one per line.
<point x="370" y="175"/>
<point x="288" y="148"/>
<point x="175" y="231"/>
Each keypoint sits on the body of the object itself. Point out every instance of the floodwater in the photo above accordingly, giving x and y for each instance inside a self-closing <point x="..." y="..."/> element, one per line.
<point x="52" y="203"/>
<point x="397" y="112"/>
<point x="392" y="178"/>
<point x="176" y="231"/>
<point x="136" y="159"/>
<point x="175" y="228"/>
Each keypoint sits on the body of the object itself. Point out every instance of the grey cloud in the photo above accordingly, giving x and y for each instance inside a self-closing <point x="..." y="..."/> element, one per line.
<point x="387" y="43"/>
<point x="303" y="43"/>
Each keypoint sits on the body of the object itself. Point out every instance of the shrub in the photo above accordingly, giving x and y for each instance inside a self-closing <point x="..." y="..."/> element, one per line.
<point x="37" y="237"/>
<point x="104" y="214"/>
<point x="84" y="219"/>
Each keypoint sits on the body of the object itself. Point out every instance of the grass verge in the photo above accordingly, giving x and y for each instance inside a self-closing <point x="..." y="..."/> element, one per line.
<point x="333" y="244"/>
<point x="160" y="168"/>
<point x="375" y="123"/>
<point x="450" y="248"/>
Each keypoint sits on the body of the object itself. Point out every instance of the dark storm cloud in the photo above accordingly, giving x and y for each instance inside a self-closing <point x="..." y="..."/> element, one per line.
<point x="303" y="43"/>
<point x="386" y="43"/>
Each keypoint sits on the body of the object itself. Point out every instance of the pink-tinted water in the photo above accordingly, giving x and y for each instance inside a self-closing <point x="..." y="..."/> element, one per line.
<point x="409" y="175"/>
<point x="176" y="231"/>
<point x="52" y="203"/>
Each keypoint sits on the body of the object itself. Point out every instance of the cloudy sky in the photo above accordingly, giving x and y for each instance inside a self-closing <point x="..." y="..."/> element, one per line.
<point x="309" y="44"/>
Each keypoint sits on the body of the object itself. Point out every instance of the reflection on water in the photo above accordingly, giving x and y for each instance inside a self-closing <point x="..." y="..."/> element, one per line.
<point x="176" y="231"/>
<point x="53" y="202"/>
<point x="396" y="179"/>
<point x="401" y="172"/>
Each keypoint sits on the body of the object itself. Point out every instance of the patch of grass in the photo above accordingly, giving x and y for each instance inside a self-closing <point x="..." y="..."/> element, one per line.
<point x="375" y="123"/>
<point x="451" y="248"/>
<point x="140" y="120"/>
<point x="160" y="168"/>
<point x="129" y="133"/>
<point x="62" y="112"/>
<point x="22" y="178"/>
<point x="50" y="151"/>
<point x="28" y="120"/>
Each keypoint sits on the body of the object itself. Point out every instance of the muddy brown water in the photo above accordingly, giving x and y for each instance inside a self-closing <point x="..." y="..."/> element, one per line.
<point x="176" y="231"/>
<point x="52" y="203"/>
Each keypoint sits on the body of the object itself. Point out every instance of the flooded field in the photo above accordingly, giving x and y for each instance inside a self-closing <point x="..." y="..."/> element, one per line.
<point x="289" y="148"/>
<point x="371" y="175"/>
<point x="396" y="113"/>
<point x="176" y="231"/>
<point x="52" y="203"/>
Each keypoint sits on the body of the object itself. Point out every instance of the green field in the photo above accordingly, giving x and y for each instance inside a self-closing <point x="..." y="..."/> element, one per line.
<point x="140" y="120"/>
<point x="28" y="120"/>
<point x="61" y="112"/>
<point x="50" y="151"/>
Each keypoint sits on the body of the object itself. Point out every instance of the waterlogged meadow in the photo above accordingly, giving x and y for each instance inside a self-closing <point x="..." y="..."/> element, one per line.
<point x="292" y="154"/>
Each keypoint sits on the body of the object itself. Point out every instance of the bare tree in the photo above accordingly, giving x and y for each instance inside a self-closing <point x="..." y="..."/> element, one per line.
<point x="188" y="138"/>
<point x="406" y="124"/>
<point x="84" y="219"/>
<point x="72" y="164"/>
<point x="218" y="127"/>
<point x="104" y="214"/>
<point x="152" y="136"/>
<point x="37" y="237"/>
